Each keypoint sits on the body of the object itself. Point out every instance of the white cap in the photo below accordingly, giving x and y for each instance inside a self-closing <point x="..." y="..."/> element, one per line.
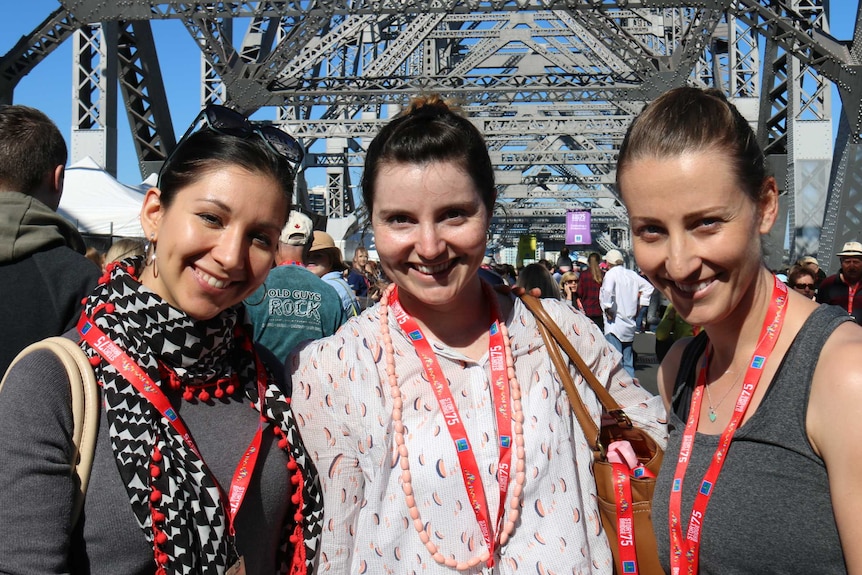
<point x="614" y="257"/>
<point x="298" y="229"/>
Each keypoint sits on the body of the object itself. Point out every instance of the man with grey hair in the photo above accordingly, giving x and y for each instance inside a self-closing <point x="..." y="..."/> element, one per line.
<point x="43" y="272"/>
<point x="841" y="289"/>
<point x="620" y="297"/>
<point x="293" y="305"/>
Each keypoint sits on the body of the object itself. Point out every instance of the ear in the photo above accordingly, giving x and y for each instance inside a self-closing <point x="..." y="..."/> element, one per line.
<point x="51" y="189"/>
<point x="58" y="179"/>
<point x="768" y="205"/>
<point x="152" y="212"/>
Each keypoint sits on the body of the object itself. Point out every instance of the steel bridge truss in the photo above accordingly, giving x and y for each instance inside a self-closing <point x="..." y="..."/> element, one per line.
<point x="552" y="85"/>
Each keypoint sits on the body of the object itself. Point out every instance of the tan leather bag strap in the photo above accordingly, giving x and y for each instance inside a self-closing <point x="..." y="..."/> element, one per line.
<point x="555" y="339"/>
<point x="85" y="408"/>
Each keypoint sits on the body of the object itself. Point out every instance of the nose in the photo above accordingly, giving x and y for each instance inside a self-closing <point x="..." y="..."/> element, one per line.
<point x="681" y="262"/>
<point x="231" y="250"/>
<point x="429" y="244"/>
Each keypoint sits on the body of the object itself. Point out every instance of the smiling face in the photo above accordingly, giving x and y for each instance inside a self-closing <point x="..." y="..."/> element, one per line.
<point x="216" y="242"/>
<point x="360" y="258"/>
<point x="696" y="233"/>
<point x="430" y="226"/>
<point x="318" y="262"/>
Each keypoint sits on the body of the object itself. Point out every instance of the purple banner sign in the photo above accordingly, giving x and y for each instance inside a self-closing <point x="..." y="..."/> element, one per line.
<point x="578" y="228"/>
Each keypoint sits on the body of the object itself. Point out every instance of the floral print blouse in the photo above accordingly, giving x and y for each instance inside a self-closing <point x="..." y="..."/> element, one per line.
<point x="342" y="402"/>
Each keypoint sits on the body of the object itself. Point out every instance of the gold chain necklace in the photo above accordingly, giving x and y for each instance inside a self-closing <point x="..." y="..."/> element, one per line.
<point x="714" y="408"/>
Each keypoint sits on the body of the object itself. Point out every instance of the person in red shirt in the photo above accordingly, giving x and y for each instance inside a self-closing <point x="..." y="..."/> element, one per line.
<point x="841" y="289"/>
<point x="590" y="282"/>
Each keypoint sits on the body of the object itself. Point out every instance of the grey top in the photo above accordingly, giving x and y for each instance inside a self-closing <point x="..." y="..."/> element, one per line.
<point x="770" y="511"/>
<point x="36" y="490"/>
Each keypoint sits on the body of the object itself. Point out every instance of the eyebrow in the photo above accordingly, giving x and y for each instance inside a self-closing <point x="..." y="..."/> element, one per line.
<point x="467" y="206"/>
<point x="223" y="206"/>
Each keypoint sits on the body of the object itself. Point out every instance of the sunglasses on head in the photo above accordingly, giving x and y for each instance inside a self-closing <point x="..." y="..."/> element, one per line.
<point x="229" y="122"/>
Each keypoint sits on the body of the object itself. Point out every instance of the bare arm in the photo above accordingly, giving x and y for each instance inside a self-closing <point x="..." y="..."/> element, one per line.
<point x="834" y="425"/>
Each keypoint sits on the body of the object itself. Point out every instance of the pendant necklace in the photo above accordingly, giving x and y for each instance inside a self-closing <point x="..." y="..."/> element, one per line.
<point x="713" y="409"/>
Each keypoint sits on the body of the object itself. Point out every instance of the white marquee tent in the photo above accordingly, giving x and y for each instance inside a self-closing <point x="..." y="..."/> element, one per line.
<point x="99" y="204"/>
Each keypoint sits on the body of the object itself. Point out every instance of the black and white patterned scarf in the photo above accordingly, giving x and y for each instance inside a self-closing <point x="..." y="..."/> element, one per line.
<point x="152" y="331"/>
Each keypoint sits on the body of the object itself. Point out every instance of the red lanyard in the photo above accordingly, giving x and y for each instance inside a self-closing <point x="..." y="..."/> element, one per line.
<point x="685" y="549"/>
<point x="134" y="374"/>
<point x="501" y="395"/>
<point x="622" y="474"/>
<point x="851" y="293"/>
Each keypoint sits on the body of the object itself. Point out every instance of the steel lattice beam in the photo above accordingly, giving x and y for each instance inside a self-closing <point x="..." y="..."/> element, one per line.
<point x="552" y="83"/>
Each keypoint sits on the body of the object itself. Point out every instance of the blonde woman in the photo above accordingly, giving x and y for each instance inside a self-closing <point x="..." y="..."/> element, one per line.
<point x="569" y="289"/>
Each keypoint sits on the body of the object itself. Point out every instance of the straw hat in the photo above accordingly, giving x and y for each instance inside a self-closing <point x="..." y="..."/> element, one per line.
<point x="323" y="241"/>
<point x="853" y="249"/>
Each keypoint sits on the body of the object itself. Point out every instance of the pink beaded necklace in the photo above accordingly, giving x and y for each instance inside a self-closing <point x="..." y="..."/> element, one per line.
<point x="406" y="481"/>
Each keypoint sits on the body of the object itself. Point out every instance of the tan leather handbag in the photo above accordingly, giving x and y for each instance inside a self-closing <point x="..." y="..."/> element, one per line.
<point x="649" y="454"/>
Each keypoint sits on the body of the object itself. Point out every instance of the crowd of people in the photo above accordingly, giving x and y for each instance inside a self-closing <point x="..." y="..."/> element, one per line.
<point x="267" y="407"/>
<point x="807" y="278"/>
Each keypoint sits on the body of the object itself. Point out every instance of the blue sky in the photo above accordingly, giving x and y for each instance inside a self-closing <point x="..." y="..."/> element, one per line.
<point x="49" y="86"/>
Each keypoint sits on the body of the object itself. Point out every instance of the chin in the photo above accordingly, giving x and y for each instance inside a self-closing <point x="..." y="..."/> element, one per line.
<point x="429" y="296"/>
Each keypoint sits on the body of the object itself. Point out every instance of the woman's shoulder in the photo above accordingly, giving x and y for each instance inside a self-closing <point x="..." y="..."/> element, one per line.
<point x="832" y="420"/>
<point x="41" y="374"/>
<point x="355" y="334"/>
<point x="838" y="375"/>
<point x="564" y="314"/>
<point x="580" y="330"/>
<point x="37" y="362"/>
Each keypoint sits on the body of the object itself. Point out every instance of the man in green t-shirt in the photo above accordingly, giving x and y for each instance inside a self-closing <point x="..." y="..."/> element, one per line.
<point x="293" y="305"/>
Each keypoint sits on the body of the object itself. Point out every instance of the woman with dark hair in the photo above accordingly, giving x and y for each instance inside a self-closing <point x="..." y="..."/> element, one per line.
<point x="589" y="286"/>
<point x="186" y="478"/>
<point x="762" y="402"/>
<point x="803" y="279"/>
<point x="537" y="276"/>
<point x="447" y="439"/>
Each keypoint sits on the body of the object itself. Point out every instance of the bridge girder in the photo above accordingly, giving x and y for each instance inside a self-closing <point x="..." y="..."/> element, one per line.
<point x="552" y="83"/>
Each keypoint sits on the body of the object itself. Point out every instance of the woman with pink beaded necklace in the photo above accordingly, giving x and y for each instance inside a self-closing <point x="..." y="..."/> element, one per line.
<point x="443" y="437"/>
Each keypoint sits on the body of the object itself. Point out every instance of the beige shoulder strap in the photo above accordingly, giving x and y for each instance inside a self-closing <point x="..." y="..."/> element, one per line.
<point x="85" y="407"/>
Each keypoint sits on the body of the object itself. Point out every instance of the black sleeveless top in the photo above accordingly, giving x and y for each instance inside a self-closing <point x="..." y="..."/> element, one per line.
<point x="770" y="511"/>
